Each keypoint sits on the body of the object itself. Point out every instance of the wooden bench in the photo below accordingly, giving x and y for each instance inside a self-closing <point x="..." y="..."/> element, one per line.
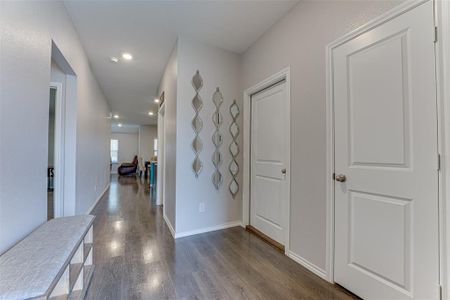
<point x="52" y="262"/>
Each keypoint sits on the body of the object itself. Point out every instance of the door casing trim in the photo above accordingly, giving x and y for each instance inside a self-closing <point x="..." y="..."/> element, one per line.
<point x="284" y="74"/>
<point x="59" y="150"/>
<point x="442" y="48"/>
<point x="330" y="143"/>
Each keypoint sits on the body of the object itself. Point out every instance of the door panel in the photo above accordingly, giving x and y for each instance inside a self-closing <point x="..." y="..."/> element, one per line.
<point x="386" y="212"/>
<point x="381" y="249"/>
<point x="268" y="159"/>
<point x="383" y="63"/>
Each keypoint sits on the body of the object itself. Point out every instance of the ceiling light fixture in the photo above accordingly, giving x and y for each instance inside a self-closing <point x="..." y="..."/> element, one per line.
<point x="127" y="56"/>
<point x="120" y="125"/>
<point x="156" y="100"/>
<point x="116" y="116"/>
<point x="114" y="59"/>
<point x="150" y="113"/>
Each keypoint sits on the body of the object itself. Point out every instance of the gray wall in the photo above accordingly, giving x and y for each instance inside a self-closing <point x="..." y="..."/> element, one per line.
<point x="147" y="134"/>
<point x="218" y="68"/>
<point x="128" y="145"/>
<point x="26" y="31"/>
<point x="168" y="85"/>
<point x="299" y="41"/>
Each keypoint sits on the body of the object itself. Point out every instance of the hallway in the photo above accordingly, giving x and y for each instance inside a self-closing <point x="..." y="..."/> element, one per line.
<point x="137" y="258"/>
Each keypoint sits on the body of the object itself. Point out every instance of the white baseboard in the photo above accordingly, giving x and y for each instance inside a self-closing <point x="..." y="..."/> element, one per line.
<point x="89" y="211"/>
<point x="308" y="265"/>
<point x="172" y="231"/>
<point x="207" y="229"/>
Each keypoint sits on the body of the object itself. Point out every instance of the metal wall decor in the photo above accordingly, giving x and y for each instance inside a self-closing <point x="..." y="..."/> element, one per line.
<point x="233" y="167"/>
<point x="217" y="139"/>
<point x="197" y="123"/>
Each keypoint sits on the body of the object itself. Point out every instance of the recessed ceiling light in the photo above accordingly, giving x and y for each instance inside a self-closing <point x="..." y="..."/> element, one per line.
<point x="150" y="113"/>
<point x="114" y="59"/>
<point x="120" y="125"/>
<point x="116" y="116"/>
<point x="156" y="100"/>
<point x="127" y="56"/>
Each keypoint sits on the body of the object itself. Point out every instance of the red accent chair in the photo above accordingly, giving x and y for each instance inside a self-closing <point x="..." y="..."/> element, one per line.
<point x="128" y="168"/>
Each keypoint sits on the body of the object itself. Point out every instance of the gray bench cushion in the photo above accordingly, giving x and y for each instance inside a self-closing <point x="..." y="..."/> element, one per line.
<point x="31" y="267"/>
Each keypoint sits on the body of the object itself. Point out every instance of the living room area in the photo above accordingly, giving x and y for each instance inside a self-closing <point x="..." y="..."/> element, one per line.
<point x="134" y="149"/>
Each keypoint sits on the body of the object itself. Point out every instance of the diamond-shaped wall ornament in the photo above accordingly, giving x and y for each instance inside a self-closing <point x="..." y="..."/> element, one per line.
<point x="217" y="119"/>
<point x="197" y="123"/>
<point x="234" y="148"/>
<point x="197" y="81"/>
<point x="217" y="139"/>
<point x="234" y="130"/>
<point x="234" y="110"/>
<point x="217" y="99"/>
<point x="197" y="103"/>
<point x="217" y="159"/>
<point x="233" y="167"/>
<point x="197" y="145"/>
<point x="217" y="179"/>
<point x="197" y="166"/>
<point x="234" y="187"/>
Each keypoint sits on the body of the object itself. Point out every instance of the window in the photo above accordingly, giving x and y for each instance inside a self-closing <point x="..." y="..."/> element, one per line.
<point x="114" y="151"/>
<point x="155" y="147"/>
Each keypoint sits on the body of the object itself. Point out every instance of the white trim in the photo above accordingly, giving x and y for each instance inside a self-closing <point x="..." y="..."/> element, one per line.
<point x="172" y="231"/>
<point x="442" y="13"/>
<point x="389" y="15"/>
<point x="386" y="17"/>
<point x="69" y="89"/>
<point x="207" y="229"/>
<point x="160" y="182"/>
<point x="59" y="150"/>
<point x="329" y="250"/>
<point x="70" y="168"/>
<point x="307" y="264"/>
<point x="284" y="74"/>
<point x="89" y="211"/>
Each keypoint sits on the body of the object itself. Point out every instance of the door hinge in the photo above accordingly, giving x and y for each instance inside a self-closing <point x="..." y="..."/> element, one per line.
<point x="435" y="34"/>
<point x="439" y="162"/>
<point x="441" y="293"/>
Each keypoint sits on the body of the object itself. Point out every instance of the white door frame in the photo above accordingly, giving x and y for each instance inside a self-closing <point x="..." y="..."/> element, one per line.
<point x="59" y="150"/>
<point x="442" y="13"/>
<point x="284" y="74"/>
<point x="444" y="89"/>
<point x="160" y="183"/>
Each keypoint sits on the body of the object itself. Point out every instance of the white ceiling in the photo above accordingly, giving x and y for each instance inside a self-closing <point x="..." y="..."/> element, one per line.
<point x="149" y="29"/>
<point x="124" y="128"/>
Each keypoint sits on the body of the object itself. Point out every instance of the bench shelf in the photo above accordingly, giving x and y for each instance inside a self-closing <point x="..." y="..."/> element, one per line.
<point x="53" y="262"/>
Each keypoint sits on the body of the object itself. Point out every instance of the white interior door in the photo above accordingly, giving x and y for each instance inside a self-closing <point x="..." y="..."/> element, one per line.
<point x="269" y="153"/>
<point x="386" y="209"/>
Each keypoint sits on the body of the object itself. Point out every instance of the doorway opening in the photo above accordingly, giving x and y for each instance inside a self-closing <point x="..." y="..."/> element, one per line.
<point x="61" y="172"/>
<point x="54" y="198"/>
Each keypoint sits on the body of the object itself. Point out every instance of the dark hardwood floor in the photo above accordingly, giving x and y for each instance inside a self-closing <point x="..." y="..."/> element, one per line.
<point x="137" y="258"/>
